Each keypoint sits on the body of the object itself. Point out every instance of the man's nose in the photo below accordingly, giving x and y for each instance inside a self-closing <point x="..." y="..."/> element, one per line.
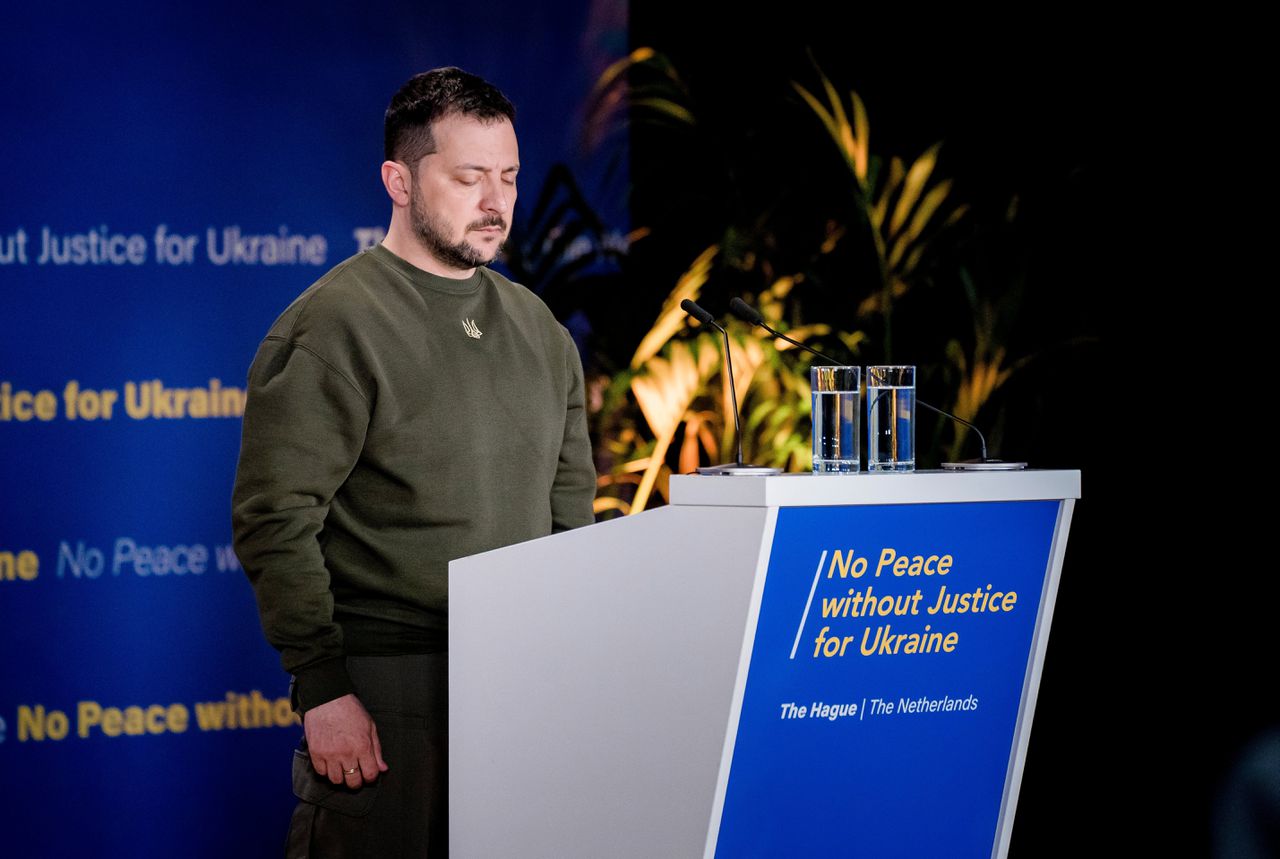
<point x="498" y="196"/>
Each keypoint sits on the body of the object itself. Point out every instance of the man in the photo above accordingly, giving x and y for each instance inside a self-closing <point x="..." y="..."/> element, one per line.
<point x="409" y="408"/>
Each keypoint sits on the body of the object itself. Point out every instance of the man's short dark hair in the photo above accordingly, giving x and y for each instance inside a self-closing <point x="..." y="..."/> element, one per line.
<point x="433" y="95"/>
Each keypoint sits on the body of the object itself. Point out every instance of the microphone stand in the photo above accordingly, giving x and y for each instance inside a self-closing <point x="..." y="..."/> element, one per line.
<point x="737" y="468"/>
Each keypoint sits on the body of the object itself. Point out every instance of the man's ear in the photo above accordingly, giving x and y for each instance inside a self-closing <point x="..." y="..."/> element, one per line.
<point x="397" y="179"/>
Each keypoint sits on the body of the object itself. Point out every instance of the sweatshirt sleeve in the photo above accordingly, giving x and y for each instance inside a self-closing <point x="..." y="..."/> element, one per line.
<point x="304" y="427"/>
<point x="574" y="488"/>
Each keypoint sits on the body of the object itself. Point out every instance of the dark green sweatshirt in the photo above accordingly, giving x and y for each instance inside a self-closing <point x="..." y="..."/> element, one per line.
<point x="397" y="420"/>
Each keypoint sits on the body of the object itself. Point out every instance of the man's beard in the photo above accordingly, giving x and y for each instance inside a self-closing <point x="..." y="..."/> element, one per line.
<point x="434" y="240"/>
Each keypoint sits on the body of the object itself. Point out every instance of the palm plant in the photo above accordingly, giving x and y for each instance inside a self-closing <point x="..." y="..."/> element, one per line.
<point x="904" y="207"/>
<point x="670" y="408"/>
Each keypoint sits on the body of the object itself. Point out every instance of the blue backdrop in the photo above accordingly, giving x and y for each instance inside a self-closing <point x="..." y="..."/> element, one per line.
<point x="170" y="179"/>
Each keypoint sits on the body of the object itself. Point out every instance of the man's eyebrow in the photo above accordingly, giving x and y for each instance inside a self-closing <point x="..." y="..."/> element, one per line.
<point x="479" y="168"/>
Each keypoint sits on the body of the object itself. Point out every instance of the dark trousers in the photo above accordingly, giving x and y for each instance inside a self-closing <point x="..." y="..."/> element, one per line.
<point x="405" y="813"/>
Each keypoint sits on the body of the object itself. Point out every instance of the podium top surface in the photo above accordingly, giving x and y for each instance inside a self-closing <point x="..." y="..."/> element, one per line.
<point x="918" y="487"/>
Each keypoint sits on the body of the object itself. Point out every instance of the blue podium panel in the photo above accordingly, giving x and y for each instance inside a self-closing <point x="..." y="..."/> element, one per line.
<point x="886" y="673"/>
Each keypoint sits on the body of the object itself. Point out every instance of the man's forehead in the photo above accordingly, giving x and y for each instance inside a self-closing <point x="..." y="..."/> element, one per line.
<point x="461" y="137"/>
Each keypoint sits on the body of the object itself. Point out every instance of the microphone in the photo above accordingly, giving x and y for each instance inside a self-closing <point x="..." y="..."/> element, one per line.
<point x="747" y="313"/>
<point x="699" y="313"/>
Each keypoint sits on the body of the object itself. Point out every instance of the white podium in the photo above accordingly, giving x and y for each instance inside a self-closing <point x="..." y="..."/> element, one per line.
<point x="620" y="690"/>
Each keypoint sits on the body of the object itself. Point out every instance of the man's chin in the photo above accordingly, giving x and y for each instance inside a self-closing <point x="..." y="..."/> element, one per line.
<point x="486" y="252"/>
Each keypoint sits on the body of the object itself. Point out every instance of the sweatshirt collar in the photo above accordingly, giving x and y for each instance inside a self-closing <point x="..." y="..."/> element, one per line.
<point x="425" y="279"/>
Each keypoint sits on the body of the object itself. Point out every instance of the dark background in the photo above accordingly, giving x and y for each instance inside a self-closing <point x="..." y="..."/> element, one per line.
<point x="1128" y="149"/>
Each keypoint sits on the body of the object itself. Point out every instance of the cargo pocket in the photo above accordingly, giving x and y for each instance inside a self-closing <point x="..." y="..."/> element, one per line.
<point x="310" y="786"/>
<point x="329" y="820"/>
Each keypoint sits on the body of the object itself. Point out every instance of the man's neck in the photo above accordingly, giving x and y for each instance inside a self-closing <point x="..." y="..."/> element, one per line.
<point x="404" y="245"/>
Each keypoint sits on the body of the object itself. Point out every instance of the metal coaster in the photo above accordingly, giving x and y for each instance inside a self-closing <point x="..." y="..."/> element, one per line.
<point x="984" y="465"/>
<point x="739" y="470"/>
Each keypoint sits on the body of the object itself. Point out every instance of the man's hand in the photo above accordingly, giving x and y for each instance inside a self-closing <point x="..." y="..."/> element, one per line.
<point x="343" y="742"/>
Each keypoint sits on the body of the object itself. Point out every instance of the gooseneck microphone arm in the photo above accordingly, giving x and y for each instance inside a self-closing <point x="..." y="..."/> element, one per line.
<point x="981" y="438"/>
<point x="747" y="313"/>
<point x="698" y="313"/>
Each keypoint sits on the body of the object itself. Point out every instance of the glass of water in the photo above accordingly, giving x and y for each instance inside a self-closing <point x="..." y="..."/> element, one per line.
<point x="891" y="418"/>
<point x="835" y="419"/>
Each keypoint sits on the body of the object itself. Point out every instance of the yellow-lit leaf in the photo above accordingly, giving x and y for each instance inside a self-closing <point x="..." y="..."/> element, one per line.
<point x="663" y="483"/>
<point x="832" y="239"/>
<point x="671" y="318"/>
<point x="619" y="68"/>
<point x="689" y="447"/>
<point x="957" y="214"/>
<point x="650" y="476"/>
<point x="928" y="206"/>
<point x="823" y="114"/>
<point x="666" y="388"/>
<point x="837" y="112"/>
<point x="603" y="503"/>
<point x="667" y="107"/>
<point x="913" y="259"/>
<point x="917" y="176"/>
<point x="897" y="171"/>
<point x="862" y="133"/>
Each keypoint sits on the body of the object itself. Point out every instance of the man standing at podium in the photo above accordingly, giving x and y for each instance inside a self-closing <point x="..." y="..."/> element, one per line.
<point x="411" y="407"/>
